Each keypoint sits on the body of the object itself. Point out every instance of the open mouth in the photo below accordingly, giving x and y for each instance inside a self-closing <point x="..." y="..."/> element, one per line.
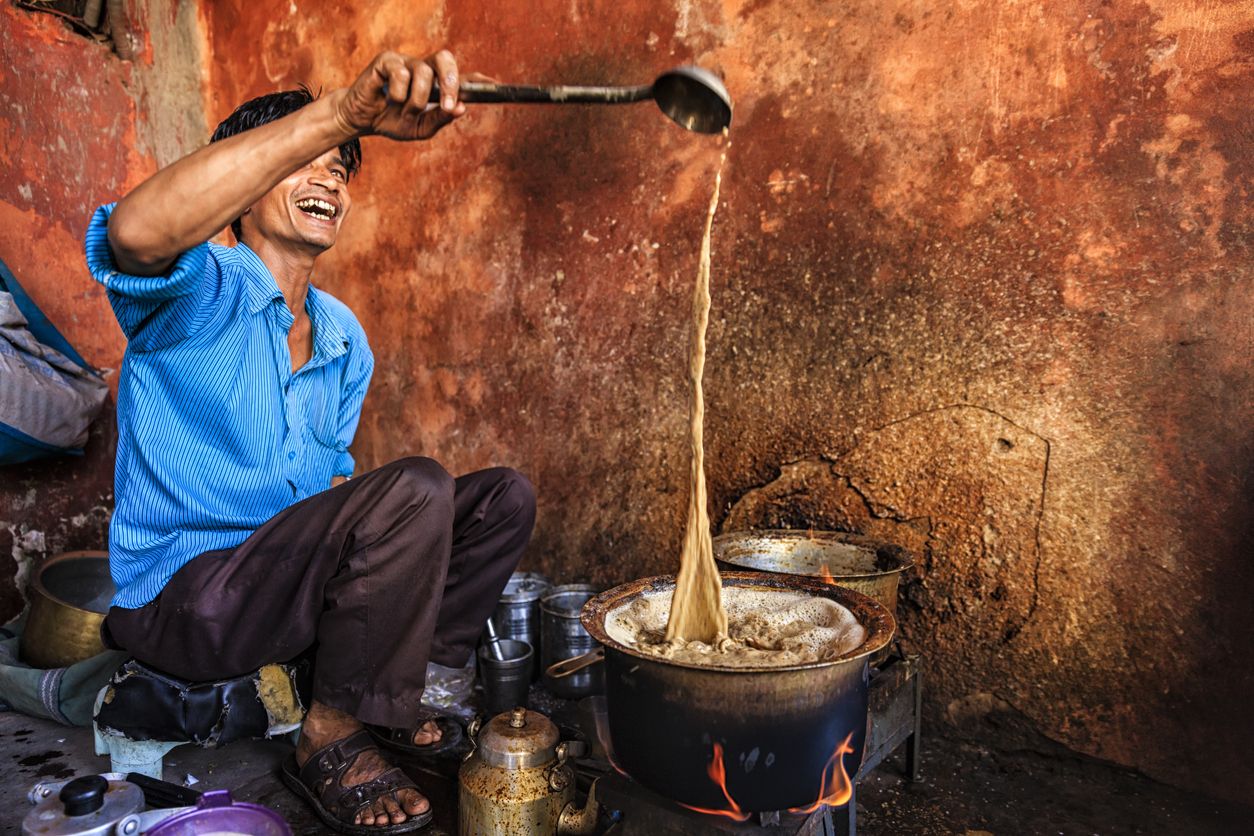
<point x="317" y="208"/>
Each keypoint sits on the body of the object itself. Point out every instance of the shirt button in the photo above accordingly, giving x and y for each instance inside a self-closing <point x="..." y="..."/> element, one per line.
<point x="291" y="456"/>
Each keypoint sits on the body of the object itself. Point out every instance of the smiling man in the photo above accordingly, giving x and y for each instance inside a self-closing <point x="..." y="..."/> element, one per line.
<point x="236" y="540"/>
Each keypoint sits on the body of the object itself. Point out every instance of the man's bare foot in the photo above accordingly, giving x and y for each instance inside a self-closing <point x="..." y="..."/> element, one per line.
<point x="428" y="734"/>
<point x="325" y="725"/>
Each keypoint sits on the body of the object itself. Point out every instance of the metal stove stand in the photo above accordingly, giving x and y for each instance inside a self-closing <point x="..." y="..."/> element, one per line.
<point x="894" y="703"/>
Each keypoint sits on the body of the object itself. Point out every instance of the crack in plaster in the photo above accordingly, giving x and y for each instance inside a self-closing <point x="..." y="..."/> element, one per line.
<point x="1014" y="630"/>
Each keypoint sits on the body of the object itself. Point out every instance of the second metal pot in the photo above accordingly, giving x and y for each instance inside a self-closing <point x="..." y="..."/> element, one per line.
<point x="854" y="561"/>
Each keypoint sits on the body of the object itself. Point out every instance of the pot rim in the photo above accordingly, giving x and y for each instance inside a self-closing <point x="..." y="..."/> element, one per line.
<point x="871" y="614"/>
<point x="37" y="579"/>
<point x="890" y="551"/>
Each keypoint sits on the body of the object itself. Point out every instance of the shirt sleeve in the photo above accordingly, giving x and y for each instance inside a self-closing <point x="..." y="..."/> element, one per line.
<point x="154" y="311"/>
<point x="361" y="367"/>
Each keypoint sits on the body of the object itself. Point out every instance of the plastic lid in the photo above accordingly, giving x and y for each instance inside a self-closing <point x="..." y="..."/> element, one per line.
<point x="217" y="813"/>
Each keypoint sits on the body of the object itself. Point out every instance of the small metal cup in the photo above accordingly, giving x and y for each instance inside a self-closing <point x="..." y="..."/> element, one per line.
<point x="505" y="681"/>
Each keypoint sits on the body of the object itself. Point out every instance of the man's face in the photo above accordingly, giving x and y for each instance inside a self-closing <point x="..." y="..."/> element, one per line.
<point x="305" y="209"/>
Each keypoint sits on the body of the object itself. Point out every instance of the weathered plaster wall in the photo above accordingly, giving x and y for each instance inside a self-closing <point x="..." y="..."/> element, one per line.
<point x="79" y="127"/>
<point x="981" y="285"/>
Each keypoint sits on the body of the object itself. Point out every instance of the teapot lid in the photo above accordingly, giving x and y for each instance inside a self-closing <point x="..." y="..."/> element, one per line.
<point x="86" y="806"/>
<point x="518" y="739"/>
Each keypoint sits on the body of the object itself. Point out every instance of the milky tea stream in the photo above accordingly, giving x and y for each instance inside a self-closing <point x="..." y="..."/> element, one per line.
<point x="752" y="627"/>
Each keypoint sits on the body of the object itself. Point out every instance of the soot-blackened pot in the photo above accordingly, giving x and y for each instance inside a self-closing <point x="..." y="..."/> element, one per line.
<point x="784" y="736"/>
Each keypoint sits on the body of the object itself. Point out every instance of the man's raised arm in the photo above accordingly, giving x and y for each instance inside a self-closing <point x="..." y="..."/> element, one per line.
<point x="191" y="200"/>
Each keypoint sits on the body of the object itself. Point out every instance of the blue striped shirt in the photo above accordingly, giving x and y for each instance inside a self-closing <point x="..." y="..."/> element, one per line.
<point x="216" y="434"/>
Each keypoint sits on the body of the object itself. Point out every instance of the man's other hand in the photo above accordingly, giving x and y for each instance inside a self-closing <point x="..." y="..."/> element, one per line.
<point x="390" y="97"/>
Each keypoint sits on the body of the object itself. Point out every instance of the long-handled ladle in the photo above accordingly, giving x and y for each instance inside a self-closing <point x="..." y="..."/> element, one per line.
<point x="694" y="98"/>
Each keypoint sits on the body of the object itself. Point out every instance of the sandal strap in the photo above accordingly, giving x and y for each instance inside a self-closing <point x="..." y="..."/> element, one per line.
<point x="331" y="760"/>
<point x="324" y="772"/>
<point x="406" y="734"/>
<point x="351" y="799"/>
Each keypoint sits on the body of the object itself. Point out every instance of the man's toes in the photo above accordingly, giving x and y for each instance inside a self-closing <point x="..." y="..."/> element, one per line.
<point x="429" y="733"/>
<point x="391" y="810"/>
<point x="413" y="802"/>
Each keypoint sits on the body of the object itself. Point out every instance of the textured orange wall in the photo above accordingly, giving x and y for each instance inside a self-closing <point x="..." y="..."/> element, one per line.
<point x="78" y="127"/>
<point x="981" y="285"/>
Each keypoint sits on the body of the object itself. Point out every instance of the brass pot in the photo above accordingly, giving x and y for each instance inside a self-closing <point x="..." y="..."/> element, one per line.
<point x="853" y="561"/>
<point x="69" y="597"/>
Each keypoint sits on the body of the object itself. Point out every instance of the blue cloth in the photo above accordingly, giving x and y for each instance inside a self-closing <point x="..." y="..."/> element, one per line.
<point x="216" y="434"/>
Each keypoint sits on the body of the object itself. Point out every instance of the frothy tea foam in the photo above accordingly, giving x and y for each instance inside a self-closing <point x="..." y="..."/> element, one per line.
<point x="766" y="627"/>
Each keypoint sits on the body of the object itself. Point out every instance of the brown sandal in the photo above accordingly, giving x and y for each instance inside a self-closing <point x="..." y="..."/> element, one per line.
<point x="402" y="742"/>
<point x="320" y="782"/>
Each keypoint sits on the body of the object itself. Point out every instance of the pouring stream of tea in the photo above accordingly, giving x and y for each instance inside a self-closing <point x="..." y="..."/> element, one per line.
<point x="697" y="612"/>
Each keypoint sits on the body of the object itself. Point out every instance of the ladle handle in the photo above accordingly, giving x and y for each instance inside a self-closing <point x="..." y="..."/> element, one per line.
<point x="566" y="667"/>
<point x="487" y="92"/>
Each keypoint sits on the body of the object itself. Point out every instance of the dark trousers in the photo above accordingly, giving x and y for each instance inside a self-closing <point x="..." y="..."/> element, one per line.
<point x="379" y="575"/>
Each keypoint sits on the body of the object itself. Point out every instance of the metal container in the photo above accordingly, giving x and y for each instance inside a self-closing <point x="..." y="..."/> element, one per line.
<point x="784" y="737"/>
<point x="562" y="636"/>
<point x="506" y="681"/>
<point x="853" y="561"/>
<point x="516" y="781"/>
<point x="69" y="597"/>
<point x="517" y="614"/>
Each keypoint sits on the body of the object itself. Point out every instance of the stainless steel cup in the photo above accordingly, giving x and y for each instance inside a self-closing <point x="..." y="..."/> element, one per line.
<point x="563" y="637"/>
<point x="505" y="681"/>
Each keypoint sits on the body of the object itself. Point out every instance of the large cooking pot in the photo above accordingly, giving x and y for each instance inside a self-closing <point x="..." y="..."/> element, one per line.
<point x="784" y="735"/>
<point x="69" y="598"/>
<point x="861" y="563"/>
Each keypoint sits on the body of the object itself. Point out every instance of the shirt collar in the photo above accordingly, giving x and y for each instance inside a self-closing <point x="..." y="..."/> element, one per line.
<point x="262" y="289"/>
<point x="330" y="341"/>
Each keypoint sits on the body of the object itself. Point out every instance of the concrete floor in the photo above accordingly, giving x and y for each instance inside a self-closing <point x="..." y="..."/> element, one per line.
<point x="967" y="790"/>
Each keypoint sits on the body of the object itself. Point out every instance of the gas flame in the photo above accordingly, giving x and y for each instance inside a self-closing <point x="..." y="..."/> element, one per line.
<point x="826" y="575"/>
<point x="718" y="774"/>
<point x="836" y="788"/>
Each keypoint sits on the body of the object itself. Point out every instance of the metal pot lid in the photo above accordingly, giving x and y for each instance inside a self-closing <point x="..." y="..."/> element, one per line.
<point x="86" y="806"/>
<point x="524" y="587"/>
<point x="518" y="739"/>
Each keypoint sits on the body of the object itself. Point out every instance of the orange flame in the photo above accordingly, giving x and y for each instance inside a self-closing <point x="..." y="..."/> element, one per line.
<point x="836" y="789"/>
<point x="718" y="774"/>
<point x="826" y="575"/>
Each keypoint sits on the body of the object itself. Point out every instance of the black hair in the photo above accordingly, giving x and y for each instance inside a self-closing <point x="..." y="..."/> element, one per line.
<point x="257" y="112"/>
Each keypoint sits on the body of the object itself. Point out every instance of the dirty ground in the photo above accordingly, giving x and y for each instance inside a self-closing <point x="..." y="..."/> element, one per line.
<point x="966" y="790"/>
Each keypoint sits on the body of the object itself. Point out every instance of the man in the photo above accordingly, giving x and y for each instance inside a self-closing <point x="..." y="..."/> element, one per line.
<point x="236" y="540"/>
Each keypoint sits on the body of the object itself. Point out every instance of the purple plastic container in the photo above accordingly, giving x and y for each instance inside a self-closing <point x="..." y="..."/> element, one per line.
<point x="217" y="814"/>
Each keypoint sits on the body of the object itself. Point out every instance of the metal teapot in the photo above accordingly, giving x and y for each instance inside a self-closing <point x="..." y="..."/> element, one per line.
<point x="516" y="780"/>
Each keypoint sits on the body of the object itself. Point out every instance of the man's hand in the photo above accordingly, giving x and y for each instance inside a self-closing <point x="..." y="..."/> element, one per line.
<point x="390" y="97"/>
